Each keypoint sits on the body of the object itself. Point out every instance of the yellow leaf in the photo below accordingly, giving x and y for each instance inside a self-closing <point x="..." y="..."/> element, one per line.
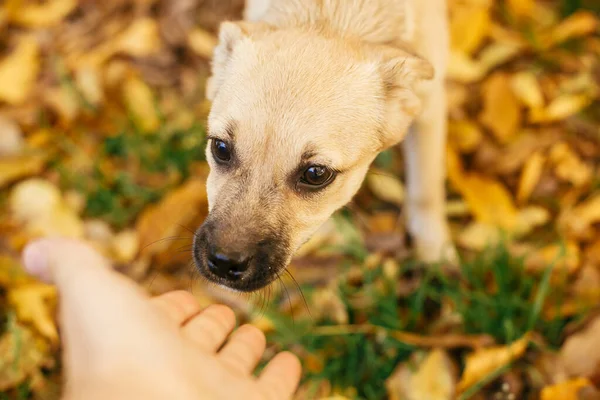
<point x="580" y="219"/>
<point x="202" y="42"/>
<point x="34" y="303"/>
<point x="501" y="112"/>
<point x="579" y="24"/>
<point x="328" y="305"/>
<point x="564" y="258"/>
<point x="89" y="83"/>
<point x="60" y="221"/>
<point x="386" y="188"/>
<point x="33" y="198"/>
<point x="14" y="168"/>
<point x="465" y="136"/>
<point x="478" y="236"/>
<point x="560" y="108"/>
<point x="165" y="219"/>
<point x="23" y="355"/>
<point x="63" y="101"/>
<point x="140" y="39"/>
<point x="432" y="379"/>
<point x="580" y="353"/>
<point x="125" y="246"/>
<point x="489" y="201"/>
<point x="469" y="26"/>
<point x="44" y="15"/>
<point x="461" y="68"/>
<point x="527" y="89"/>
<point x="11" y="138"/>
<point x="140" y="102"/>
<point x="12" y="273"/>
<point x="567" y="390"/>
<point x="482" y="363"/>
<point x="568" y="166"/>
<point x="529" y="218"/>
<point x="530" y="176"/>
<point x="521" y="8"/>
<point x="18" y="71"/>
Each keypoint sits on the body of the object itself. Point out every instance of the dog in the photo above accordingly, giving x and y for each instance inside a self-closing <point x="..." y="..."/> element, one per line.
<point x="305" y="94"/>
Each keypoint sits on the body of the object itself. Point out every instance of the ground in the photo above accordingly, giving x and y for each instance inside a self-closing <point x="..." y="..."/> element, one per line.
<point x="102" y="114"/>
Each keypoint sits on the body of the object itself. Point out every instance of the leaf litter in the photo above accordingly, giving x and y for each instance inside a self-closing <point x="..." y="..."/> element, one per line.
<point x="102" y="126"/>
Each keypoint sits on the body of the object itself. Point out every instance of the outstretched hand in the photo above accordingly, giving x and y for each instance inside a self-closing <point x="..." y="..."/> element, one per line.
<point x="121" y="344"/>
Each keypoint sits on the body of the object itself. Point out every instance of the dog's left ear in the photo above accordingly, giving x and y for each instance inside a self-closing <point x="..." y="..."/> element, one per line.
<point x="231" y="34"/>
<point x="400" y="72"/>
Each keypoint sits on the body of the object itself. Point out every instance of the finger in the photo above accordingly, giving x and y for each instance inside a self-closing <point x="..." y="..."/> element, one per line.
<point x="178" y="305"/>
<point x="244" y="349"/>
<point x="210" y="328"/>
<point x="281" y="376"/>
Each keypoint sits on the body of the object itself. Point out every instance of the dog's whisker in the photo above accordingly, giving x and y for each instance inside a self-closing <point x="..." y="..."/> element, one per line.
<point x="300" y="291"/>
<point x="165" y="238"/>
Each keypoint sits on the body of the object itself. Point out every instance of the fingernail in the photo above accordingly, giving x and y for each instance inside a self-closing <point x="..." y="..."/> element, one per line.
<point x="35" y="259"/>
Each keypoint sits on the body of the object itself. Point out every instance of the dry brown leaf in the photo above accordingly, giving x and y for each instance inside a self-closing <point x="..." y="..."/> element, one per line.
<point x="140" y="102"/>
<point x="386" y="188"/>
<point x="530" y="176"/>
<point x="46" y="14"/>
<point x="527" y="89"/>
<point x="433" y="378"/>
<point x="327" y="305"/>
<point x="580" y="353"/>
<point x="63" y="101"/>
<point x="22" y="356"/>
<point x="560" y="108"/>
<point x="465" y="136"/>
<point x="568" y="390"/>
<point x="568" y="166"/>
<point x="34" y="304"/>
<point x="482" y="363"/>
<point x="501" y="112"/>
<point x="469" y="26"/>
<point x="202" y="42"/>
<point x="19" y="70"/>
<point x="165" y="219"/>
<point x="89" y="84"/>
<point x="15" y="168"/>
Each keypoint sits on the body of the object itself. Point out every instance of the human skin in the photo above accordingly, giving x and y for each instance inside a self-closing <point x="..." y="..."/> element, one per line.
<point x="121" y="344"/>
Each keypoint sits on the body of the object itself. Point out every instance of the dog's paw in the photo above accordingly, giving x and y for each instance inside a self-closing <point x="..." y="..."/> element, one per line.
<point x="431" y="239"/>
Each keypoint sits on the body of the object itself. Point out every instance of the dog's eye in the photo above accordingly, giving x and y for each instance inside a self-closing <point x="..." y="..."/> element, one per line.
<point x="317" y="175"/>
<point x="221" y="150"/>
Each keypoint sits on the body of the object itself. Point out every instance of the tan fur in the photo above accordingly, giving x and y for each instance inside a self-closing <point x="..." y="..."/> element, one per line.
<point x="344" y="79"/>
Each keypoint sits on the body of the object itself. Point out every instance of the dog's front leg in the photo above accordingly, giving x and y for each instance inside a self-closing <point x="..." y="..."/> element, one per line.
<point x="425" y="151"/>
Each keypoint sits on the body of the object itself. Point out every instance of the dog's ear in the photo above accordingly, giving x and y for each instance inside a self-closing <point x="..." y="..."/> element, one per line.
<point x="401" y="71"/>
<point x="230" y="35"/>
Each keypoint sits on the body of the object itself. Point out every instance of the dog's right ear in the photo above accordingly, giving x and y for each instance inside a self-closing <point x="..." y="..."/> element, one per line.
<point x="230" y="35"/>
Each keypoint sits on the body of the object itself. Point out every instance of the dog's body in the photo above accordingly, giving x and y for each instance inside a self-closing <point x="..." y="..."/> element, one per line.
<point x="305" y="94"/>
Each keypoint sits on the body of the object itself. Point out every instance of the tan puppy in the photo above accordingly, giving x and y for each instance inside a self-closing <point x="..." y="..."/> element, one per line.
<point x="305" y="94"/>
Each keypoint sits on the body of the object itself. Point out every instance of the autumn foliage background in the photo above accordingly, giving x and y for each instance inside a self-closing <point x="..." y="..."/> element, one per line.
<point x="102" y="137"/>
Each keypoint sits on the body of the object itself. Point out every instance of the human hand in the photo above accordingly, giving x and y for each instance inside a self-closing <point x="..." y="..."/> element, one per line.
<point x="120" y="344"/>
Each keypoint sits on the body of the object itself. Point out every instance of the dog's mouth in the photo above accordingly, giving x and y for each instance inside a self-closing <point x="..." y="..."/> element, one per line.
<point x="236" y="271"/>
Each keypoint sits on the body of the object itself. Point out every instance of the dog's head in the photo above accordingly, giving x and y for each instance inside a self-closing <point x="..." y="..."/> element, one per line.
<point x="296" y="120"/>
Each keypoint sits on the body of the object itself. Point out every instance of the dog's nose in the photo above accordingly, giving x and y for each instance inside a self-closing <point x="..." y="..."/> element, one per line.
<point x="227" y="267"/>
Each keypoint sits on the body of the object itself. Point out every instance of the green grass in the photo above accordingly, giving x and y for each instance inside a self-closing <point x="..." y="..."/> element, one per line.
<point x="494" y="296"/>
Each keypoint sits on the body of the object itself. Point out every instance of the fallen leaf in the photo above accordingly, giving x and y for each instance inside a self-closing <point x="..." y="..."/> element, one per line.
<point x="49" y="13"/>
<point x="580" y="352"/>
<point x="521" y="8"/>
<point x="529" y="218"/>
<point x="125" y="246"/>
<point x="432" y="378"/>
<point x="202" y="42"/>
<point x="501" y="112"/>
<point x="469" y="26"/>
<point x="12" y="273"/>
<point x="568" y="166"/>
<point x="579" y="24"/>
<point x="483" y="362"/>
<point x="479" y="236"/>
<point x="22" y="356"/>
<point x="578" y="221"/>
<point x="140" y="101"/>
<point x="141" y="39"/>
<point x="34" y="304"/>
<point x="563" y="257"/>
<point x="327" y="305"/>
<point x="386" y="188"/>
<point x="11" y="138"/>
<point x="15" y="168"/>
<point x="568" y="390"/>
<point x="19" y="70"/>
<point x="560" y="108"/>
<point x="527" y="89"/>
<point x="63" y="101"/>
<point x="89" y="84"/>
<point x="164" y="220"/>
<point x="32" y="198"/>
<point x="530" y="176"/>
<point x="465" y="136"/>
